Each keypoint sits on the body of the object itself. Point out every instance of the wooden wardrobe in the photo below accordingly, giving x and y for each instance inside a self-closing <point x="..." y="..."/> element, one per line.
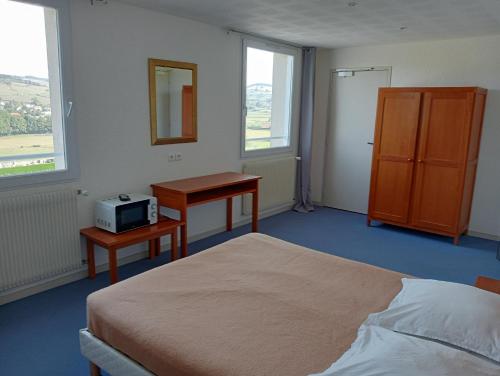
<point x="425" y="156"/>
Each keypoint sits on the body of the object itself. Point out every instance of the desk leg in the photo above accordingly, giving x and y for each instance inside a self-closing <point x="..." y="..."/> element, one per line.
<point x="113" y="267"/>
<point x="174" y="250"/>
<point x="184" y="237"/>
<point x="229" y="214"/>
<point x="158" y="246"/>
<point x="152" y="250"/>
<point x="255" y="210"/>
<point x="91" y="258"/>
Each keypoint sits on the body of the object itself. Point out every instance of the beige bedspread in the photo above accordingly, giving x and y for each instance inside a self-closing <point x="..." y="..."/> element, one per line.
<point x="252" y="306"/>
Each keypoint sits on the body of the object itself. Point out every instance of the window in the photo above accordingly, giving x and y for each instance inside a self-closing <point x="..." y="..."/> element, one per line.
<point x="34" y="92"/>
<point x="268" y="77"/>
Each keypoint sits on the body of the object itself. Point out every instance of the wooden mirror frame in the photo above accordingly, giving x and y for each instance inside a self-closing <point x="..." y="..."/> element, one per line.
<point x="152" y="64"/>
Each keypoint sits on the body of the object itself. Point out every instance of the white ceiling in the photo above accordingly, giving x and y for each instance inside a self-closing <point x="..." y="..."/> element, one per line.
<point x="333" y="23"/>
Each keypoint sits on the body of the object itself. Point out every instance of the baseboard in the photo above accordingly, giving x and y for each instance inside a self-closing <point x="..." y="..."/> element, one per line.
<point x="62" y="279"/>
<point x="38" y="287"/>
<point x="483" y="235"/>
<point x="35" y="288"/>
<point x="476" y="234"/>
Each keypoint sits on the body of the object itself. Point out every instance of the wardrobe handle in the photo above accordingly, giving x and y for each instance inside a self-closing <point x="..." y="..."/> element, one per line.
<point x="410" y="159"/>
<point x="420" y="161"/>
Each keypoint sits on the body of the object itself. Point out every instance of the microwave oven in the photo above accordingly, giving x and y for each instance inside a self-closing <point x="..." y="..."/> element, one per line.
<point x="126" y="212"/>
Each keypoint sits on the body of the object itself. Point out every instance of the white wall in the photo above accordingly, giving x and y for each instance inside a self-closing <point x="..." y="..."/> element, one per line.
<point x="111" y="47"/>
<point x="459" y="62"/>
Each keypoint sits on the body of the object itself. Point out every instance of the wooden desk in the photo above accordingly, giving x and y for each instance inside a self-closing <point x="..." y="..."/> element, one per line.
<point x="184" y="193"/>
<point x="112" y="242"/>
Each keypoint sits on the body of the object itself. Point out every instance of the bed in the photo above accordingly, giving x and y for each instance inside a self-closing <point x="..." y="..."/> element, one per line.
<point x="254" y="305"/>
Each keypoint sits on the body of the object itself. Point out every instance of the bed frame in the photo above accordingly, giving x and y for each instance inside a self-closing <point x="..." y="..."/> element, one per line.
<point x="103" y="356"/>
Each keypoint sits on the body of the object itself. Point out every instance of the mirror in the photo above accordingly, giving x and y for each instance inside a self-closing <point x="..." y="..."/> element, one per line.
<point x="172" y="101"/>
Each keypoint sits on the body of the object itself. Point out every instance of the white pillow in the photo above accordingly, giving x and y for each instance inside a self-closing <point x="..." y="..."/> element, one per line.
<point x="382" y="352"/>
<point x="461" y="315"/>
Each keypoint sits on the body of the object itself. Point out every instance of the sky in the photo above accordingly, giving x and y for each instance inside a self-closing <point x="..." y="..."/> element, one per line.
<point x="259" y="66"/>
<point x="22" y="40"/>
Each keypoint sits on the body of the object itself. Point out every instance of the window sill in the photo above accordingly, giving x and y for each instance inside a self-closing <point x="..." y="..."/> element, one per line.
<point x="42" y="178"/>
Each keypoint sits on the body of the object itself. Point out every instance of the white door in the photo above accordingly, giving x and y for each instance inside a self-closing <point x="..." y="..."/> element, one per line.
<point x="349" y="144"/>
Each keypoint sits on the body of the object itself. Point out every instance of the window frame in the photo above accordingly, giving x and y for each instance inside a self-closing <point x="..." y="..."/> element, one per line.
<point x="294" y="105"/>
<point x="72" y="170"/>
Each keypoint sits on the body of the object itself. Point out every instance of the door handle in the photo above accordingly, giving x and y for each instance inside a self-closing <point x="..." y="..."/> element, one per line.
<point x="370" y="143"/>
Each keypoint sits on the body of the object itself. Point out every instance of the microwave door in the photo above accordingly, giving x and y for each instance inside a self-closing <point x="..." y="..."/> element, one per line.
<point x="133" y="215"/>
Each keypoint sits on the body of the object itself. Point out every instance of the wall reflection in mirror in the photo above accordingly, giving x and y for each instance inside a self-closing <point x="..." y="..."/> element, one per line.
<point x="172" y="101"/>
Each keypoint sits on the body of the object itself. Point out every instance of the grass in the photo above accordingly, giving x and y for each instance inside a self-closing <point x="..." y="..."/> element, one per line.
<point x="257" y="144"/>
<point x="26" y="144"/>
<point x="22" y="170"/>
<point x="258" y="119"/>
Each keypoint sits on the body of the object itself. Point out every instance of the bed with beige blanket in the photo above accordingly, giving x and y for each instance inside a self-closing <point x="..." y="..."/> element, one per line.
<point x="254" y="305"/>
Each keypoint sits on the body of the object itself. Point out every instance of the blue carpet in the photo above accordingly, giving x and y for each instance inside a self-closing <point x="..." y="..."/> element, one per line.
<point x="39" y="334"/>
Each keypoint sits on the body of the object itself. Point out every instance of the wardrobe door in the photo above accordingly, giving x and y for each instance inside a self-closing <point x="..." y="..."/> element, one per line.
<point x="393" y="155"/>
<point x="441" y="159"/>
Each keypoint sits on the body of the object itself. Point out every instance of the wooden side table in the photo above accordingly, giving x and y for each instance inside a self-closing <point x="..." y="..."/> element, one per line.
<point x="488" y="284"/>
<point x="112" y="242"/>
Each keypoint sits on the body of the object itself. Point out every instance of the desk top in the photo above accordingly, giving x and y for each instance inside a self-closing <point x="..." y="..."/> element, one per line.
<point x="203" y="183"/>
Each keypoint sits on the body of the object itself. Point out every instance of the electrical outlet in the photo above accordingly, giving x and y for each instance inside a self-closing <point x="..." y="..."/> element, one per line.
<point x="82" y="192"/>
<point x="171" y="157"/>
<point x="178" y="156"/>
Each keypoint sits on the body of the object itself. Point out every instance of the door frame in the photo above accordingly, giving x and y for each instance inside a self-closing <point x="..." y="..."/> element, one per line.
<point x="333" y="71"/>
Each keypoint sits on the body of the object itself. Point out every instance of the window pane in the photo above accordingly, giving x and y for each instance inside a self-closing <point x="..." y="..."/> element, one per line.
<point x="31" y="123"/>
<point x="268" y="99"/>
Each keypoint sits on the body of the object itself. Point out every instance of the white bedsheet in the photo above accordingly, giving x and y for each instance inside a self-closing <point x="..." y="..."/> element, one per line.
<point x="382" y="352"/>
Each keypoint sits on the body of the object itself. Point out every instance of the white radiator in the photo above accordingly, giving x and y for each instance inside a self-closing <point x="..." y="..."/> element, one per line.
<point x="277" y="186"/>
<point x="39" y="238"/>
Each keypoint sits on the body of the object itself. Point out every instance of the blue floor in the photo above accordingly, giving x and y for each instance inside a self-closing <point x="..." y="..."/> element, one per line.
<point x="39" y="334"/>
